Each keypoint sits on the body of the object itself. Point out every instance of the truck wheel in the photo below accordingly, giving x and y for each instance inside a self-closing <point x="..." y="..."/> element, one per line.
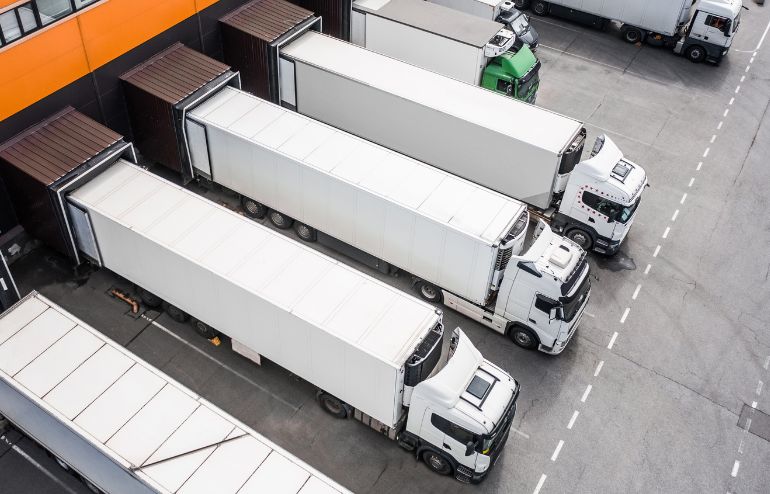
<point x="429" y="292"/>
<point x="581" y="237"/>
<point x="62" y="463"/>
<point x="204" y="329"/>
<point x="91" y="486"/>
<point x="521" y="4"/>
<point x="632" y="35"/>
<point x="252" y="208"/>
<point x="437" y="462"/>
<point x="540" y="7"/>
<point x="304" y="232"/>
<point x="523" y="337"/>
<point x="333" y="405"/>
<point x="149" y="299"/>
<point x="280" y="220"/>
<point x="695" y="54"/>
<point x="175" y="312"/>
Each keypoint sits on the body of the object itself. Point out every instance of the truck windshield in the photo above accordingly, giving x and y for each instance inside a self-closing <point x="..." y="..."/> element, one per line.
<point x="628" y="212"/>
<point x="571" y="305"/>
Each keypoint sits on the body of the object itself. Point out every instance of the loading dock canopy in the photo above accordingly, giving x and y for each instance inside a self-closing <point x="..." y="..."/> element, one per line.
<point x="267" y="20"/>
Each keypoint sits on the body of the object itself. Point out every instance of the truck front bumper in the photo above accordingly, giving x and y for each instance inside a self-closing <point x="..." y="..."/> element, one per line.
<point x="606" y="246"/>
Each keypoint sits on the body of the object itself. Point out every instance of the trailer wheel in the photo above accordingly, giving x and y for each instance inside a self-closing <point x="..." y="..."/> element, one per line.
<point x="523" y="337"/>
<point x="204" y="329"/>
<point x="280" y="220"/>
<point x="695" y="54"/>
<point x="436" y="462"/>
<point x="581" y="237"/>
<point x="540" y="7"/>
<point x="430" y="292"/>
<point x="252" y="208"/>
<point x="149" y="299"/>
<point x="305" y="232"/>
<point x="632" y="35"/>
<point x="333" y="405"/>
<point x="521" y="4"/>
<point x="62" y="463"/>
<point x="91" y="486"/>
<point x="175" y="312"/>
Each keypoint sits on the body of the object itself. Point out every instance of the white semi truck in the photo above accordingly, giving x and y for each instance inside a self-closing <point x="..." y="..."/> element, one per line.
<point x="522" y="151"/>
<point x="375" y="353"/>
<point x="503" y="11"/>
<point x="698" y="29"/>
<point x="451" y="43"/>
<point x="462" y="243"/>
<point x="123" y="426"/>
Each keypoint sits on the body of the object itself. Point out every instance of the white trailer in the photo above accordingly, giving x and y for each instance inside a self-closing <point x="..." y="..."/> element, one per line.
<point x="522" y="151"/>
<point x="451" y="43"/>
<point x="698" y="29"/>
<point x="123" y="426"/>
<point x="503" y="11"/>
<point x="461" y="242"/>
<point x="374" y="352"/>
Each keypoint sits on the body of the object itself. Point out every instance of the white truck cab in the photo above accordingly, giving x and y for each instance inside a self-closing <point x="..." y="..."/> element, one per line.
<point x="460" y="417"/>
<point x="600" y="199"/>
<point x="709" y="33"/>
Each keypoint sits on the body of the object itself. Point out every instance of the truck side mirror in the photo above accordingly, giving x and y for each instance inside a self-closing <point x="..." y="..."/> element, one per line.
<point x="553" y="313"/>
<point x="470" y="447"/>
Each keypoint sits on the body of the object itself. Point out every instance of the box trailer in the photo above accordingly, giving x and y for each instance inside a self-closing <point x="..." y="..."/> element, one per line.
<point x="467" y="131"/>
<point x="700" y="30"/>
<point x="455" y="44"/>
<point x="375" y="353"/>
<point x="503" y="11"/>
<point x="123" y="426"/>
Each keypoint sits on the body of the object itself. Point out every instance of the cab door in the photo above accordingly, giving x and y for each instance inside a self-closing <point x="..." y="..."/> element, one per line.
<point x="455" y="441"/>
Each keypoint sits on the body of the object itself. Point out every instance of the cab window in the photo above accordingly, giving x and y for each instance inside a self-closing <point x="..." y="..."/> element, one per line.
<point x="600" y="204"/>
<point x="452" y="430"/>
<point x="504" y="86"/>
<point x="716" y="22"/>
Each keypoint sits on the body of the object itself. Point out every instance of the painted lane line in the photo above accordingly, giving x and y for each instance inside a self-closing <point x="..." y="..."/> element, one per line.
<point x="586" y="393"/>
<point x="740" y="445"/>
<point x="676" y="213"/>
<point x="224" y="366"/>
<point x="743" y="77"/>
<point x="522" y="434"/>
<point x="684" y="198"/>
<point x="599" y="368"/>
<point x="539" y="484"/>
<point x="754" y="405"/>
<point x="767" y="363"/>
<point x="752" y="60"/>
<point x="759" y="387"/>
<point x="736" y="466"/>
<point x="727" y="110"/>
<point x="636" y="292"/>
<point x="713" y="138"/>
<point x="665" y="233"/>
<point x="706" y="152"/>
<point x="40" y="467"/>
<point x="737" y="88"/>
<point x="573" y="419"/>
<point x="625" y="315"/>
<point x="589" y="314"/>
<point x="761" y="40"/>
<point x="721" y="123"/>
<point x="647" y="269"/>
<point x="700" y="164"/>
<point x="748" y="67"/>
<point x="657" y="250"/>
<point x="557" y="450"/>
<point x="692" y="181"/>
<point x="732" y="100"/>
<point x="748" y="424"/>
<point x="612" y="340"/>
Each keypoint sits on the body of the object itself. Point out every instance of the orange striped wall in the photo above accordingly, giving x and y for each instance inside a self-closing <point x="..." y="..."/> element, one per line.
<point x="35" y="67"/>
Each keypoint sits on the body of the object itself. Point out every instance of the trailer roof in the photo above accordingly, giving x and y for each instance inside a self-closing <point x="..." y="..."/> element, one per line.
<point x="170" y="437"/>
<point x="267" y="20"/>
<point x="56" y="146"/>
<point x="469" y="208"/>
<point x="348" y="305"/>
<point x="436" y="19"/>
<point x="175" y="73"/>
<point x="537" y="126"/>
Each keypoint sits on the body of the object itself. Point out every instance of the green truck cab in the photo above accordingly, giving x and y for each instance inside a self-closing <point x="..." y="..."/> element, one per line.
<point x="514" y="73"/>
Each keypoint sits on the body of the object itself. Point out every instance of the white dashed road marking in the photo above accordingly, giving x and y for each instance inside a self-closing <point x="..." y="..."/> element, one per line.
<point x="612" y="340"/>
<point x="539" y="484"/>
<point x="676" y="213"/>
<point x="557" y="450"/>
<point x="759" y="387"/>
<point x="599" y="368"/>
<point x="636" y="291"/>
<point x="657" y="251"/>
<point x="573" y="419"/>
<point x="586" y="393"/>
<point x="625" y="315"/>
<point x="706" y="152"/>
<point x="647" y="269"/>
<point x="665" y="233"/>
<point x="684" y="198"/>
<point x="736" y="466"/>
<point x="692" y="181"/>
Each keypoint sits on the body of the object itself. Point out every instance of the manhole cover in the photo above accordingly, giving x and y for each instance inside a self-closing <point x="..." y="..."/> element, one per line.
<point x="757" y="422"/>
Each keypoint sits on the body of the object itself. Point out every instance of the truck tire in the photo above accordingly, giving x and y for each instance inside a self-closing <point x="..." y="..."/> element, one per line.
<point x="581" y="237"/>
<point x="305" y="232"/>
<point x="204" y="329"/>
<point x="280" y="220"/>
<point x="540" y="7"/>
<point x="333" y="405"/>
<point x="149" y="299"/>
<point x="632" y="35"/>
<point x="175" y="312"/>
<point x="430" y="292"/>
<point x="252" y="208"/>
<point x="437" y="462"/>
<point x="91" y="486"/>
<point x="523" y="337"/>
<point x="521" y="4"/>
<point x="695" y="53"/>
<point x="62" y="463"/>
